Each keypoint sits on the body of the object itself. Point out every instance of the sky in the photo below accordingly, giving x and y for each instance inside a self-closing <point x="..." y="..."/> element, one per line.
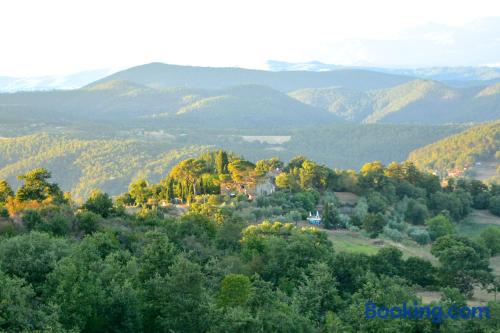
<point x="55" y="37"/>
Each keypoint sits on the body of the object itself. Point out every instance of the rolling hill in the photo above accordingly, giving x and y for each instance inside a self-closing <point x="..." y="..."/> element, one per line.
<point x="125" y="101"/>
<point x="83" y="161"/>
<point x="417" y="101"/>
<point x="467" y="152"/>
<point x="452" y="76"/>
<point x="158" y="75"/>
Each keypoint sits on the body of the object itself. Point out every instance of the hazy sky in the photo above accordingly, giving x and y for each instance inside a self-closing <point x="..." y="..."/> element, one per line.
<point x="60" y="36"/>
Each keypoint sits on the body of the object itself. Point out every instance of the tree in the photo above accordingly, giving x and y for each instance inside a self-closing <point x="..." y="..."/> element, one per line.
<point x="464" y="262"/>
<point x="16" y="299"/>
<point x="234" y="290"/>
<point x="177" y="302"/>
<point x="416" y="212"/>
<point x="286" y="181"/>
<point x="360" y="212"/>
<point x="317" y="293"/>
<point x="36" y="187"/>
<point x="189" y="171"/>
<point x="374" y="224"/>
<point x="494" y="205"/>
<point x="32" y="256"/>
<point x="331" y="217"/>
<point x="264" y="166"/>
<point x="221" y="162"/>
<point x="419" y="271"/>
<point x="240" y="170"/>
<point x="88" y="222"/>
<point x="99" y="203"/>
<point x="439" y="226"/>
<point x="5" y="191"/>
<point x="491" y="239"/>
<point x="140" y="191"/>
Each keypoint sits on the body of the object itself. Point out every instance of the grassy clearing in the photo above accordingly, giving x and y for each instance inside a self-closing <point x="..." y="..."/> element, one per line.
<point x="476" y="222"/>
<point x="358" y="242"/>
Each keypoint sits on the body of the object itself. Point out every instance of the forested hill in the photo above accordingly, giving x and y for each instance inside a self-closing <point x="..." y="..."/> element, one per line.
<point x="238" y="98"/>
<point x="159" y="75"/>
<point x="472" y="148"/>
<point x="418" y="101"/>
<point x="109" y="158"/>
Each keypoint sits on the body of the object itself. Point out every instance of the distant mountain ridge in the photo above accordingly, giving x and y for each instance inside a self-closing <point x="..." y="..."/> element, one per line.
<point x="159" y="75"/>
<point x="51" y="82"/>
<point x="242" y="98"/>
<point x="466" y="76"/>
<point x="125" y="101"/>
<point x="417" y="101"/>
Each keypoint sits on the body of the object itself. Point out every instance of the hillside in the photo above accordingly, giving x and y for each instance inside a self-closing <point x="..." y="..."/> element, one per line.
<point x="82" y="165"/>
<point x="125" y="101"/>
<point x="417" y="101"/>
<point x="232" y="97"/>
<point x="81" y="161"/>
<point x="452" y="76"/>
<point x="158" y="75"/>
<point x="465" y="151"/>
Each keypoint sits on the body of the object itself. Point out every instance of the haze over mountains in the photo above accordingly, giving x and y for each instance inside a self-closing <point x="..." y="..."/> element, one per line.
<point x="246" y="98"/>
<point x="454" y="76"/>
<point x="137" y="122"/>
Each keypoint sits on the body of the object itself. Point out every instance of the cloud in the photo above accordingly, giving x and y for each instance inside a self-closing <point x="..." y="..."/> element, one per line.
<point x="473" y="44"/>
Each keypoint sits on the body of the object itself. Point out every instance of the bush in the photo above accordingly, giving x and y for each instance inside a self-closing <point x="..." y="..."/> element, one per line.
<point x="439" y="226"/>
<point x="88" y="222"/>
<point x="494" y="205"/>
<point x="491" y="239"/>
<point x="416" y="212"/>
<point x="32" y="219"/>
<point x="421" y="236"/>
<point x="393" y="234"/>
<point x="374" y="224"/>
<point x="4" y="212"/>
<point x="58" y="225"/>
<point x="353" y="228"/>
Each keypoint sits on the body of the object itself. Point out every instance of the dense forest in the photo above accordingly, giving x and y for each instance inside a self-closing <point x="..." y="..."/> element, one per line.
<point x="204" y="250"/>
<point x="463" y="151"/>
<point x="109" y="157"/>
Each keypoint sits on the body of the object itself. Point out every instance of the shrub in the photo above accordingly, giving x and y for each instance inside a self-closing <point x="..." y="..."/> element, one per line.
<point x="494" y="205"/>
<point x="439" y="226"/>
<point x="421" y="236"/>
<point x="393" y="234"/>
<point x="491" y="239"/>
<point x="32" y="219"/>
<point x="88" y="222"/>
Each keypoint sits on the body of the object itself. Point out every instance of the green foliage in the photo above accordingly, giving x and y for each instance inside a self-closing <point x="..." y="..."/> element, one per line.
<point x="234" y="290"/>
<point x="99" y="203"/>
<point x="439" y="226"/>
<point x="88" y="222"/>
<point x="214" y="268"/>
<point x="37" y="188"/>
<point x="464" y="262"/>
<point x="491" y="239"/>
<point x="374" y="224"/>
<point x="16" y="311"/>
<point x="421" y="236"/>
<point x="5" y="191"/>
<point x="477" y="144"/>
<point x="494" y="205"/>
<point x="416" y="212"/>
<point x="32" y="256"/>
